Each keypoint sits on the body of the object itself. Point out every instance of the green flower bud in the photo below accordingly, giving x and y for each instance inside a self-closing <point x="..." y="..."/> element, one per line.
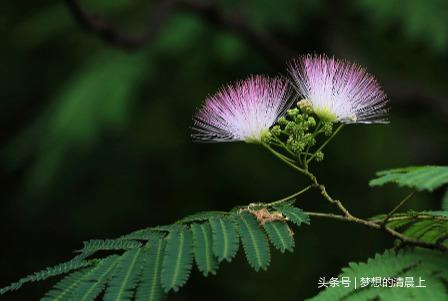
<point x="327" y="127"/>
<point x="290" y="128"/>
<point x="319" y="156"/>
<point x="305" y="106"/>
<point x="266" y="137"/>
<point x="282" y="121"/>
<point x="276" y="130"/>
<point x="311" y="122"/>
<point x="293" y="112"/>
<point x="299" y="119"/>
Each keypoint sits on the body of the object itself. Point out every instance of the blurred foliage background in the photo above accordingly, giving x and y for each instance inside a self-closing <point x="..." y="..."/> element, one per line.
<point x="95" y="133"/>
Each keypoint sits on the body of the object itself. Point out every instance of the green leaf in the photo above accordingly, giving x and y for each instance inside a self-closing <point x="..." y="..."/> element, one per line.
<point x="109" y="244"/>
<point x="429" y="265"/>
<point x="95" y="245"/>
<point x="294" y="214"/>
<point x="225" y="238"/>
<point x="64" y="288"/>
<point x="95" y="281"/>
<point x="254" y="241"/>
<point x="280" y="235"/>
<point x="125" y="276"/>
<point x="59" y="269"/>
<point x="178" y="259"/>
<point x="202" y="216"/>
<point x="426" y="226"/>
<point x="150" y="288"/>
<point x="418" y="177"/>
<point x="144" y="234"/>
<point x="164" y="263"/>
<point x="203" y="250"/>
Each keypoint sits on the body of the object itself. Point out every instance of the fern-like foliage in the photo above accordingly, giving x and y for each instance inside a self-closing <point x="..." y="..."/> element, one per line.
<point x="203" y="253"/>
<point x="280" y="235"/>
<point x="178" y="259"/>
<point x="202" y="216"/>
<point x="150" y="287"/>
<point x="85" y="284"/>
<point x="150" y="262"/>
<point x="125" y="276"/>
<point x="429" y="226"/>
<point x="94" y="245"/>
<point x="418" y="177"/>
<point x="225" y="238"/>
<point x="294" y="214"/>
<point x="254" y="241"/>
<point x="143" y="234"/>
<point x="63" y="289"/>
<point x="95" y="281"/>
<point x="429" y="266"/>
<point x="59" y="269"/>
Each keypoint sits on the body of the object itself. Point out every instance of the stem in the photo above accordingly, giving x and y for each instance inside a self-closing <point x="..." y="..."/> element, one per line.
<point x="373" y="225"/>
<point x="389" y="215"/>
<point x="347" y="216"/>
<point x="315" y="133"/>
<point x="311" y="176"/>
<point x="282" y="200"/>
<point x="285" y="159"/>
<point x="283" y="145"/>
<point x="327" y="215"/>
<point x="325" y="194"/>
<point x="325" y="143"/>
<point x="418" y="216"/>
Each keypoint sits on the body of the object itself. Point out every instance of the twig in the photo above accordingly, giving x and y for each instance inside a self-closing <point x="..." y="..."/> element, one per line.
<point x="419" y="216"/>
<point x="347" y="216"/>
<point x="403" y="238"/>
<point x="289" y="197"/>
<point x="327" y="215"/>
<point x="311" y="176"/>
<point x="350" y="218"/>
<point x="325" y="143"/>
<point x="285" y="159"/>
<point x="389" y="215"/>
<point x="325" y="194"/>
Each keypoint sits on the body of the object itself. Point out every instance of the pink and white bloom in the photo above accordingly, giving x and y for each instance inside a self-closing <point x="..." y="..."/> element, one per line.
<point x="339" y="90"/>
<point x="242" y="111"/>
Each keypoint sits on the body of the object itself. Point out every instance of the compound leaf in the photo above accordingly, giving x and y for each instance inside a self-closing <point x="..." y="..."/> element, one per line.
<point x="225" y="238"/>
<point x="178" y="259"/>
<point x="418" y="177"/>
<point x="203" y="250"/>
<point x="280" y="235"/>
<point x="254" y="241"/>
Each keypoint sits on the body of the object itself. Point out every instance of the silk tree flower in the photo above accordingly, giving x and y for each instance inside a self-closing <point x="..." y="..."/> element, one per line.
<point x="339" y="91"/>
<point x="242" y="111"/>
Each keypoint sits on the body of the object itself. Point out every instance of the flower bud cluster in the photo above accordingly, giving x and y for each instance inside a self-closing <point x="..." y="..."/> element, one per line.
<point x="297" y="130"/>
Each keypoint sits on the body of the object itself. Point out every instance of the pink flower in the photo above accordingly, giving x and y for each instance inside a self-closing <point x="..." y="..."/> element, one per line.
<point x="339" y="90"/>
<point x="242" y="111"/>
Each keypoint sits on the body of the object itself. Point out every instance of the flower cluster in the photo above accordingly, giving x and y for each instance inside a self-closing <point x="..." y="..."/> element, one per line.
<point x="334" y="90"/>
<point x="339" y="90"/>
<point x="243" y="111"/>
<point x="300" y="130"/>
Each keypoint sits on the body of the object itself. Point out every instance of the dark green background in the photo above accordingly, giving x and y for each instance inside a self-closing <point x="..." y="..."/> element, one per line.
<point x="95" y="139"/>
